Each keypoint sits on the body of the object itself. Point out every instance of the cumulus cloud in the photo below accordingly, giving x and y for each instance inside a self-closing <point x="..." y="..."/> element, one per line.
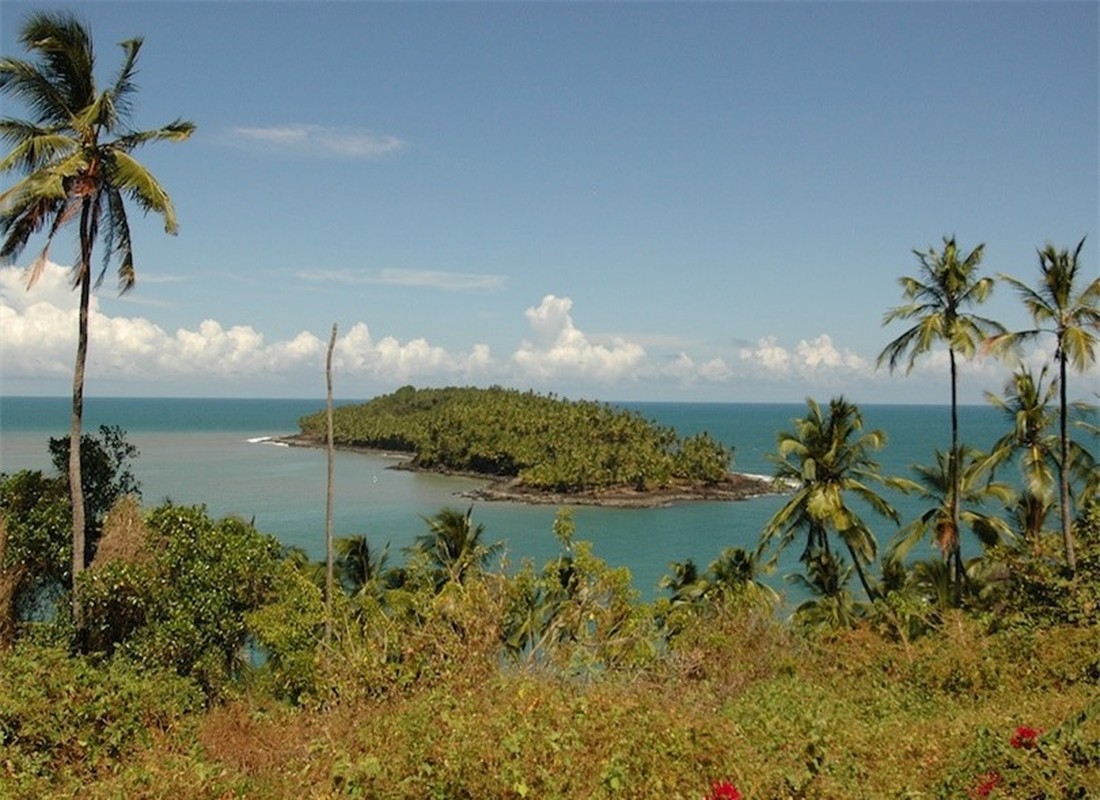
<point x="562" y="351"/>
<point x="811" y="358"/>
<point x="821" y="352"/>
<point x="359" y="353"/>
<point x="317" y="141"/>
<point x="768" y="355"/>
<point x="38" y="339"/>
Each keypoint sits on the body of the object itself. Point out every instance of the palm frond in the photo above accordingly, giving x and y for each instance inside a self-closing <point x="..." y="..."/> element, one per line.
<point x="128" y="175"/>
<point x="35" y="147"/>
<point x="117" y="242"/>
<point x="176" y="131"/>
<point x="24" y="82"/>
<point x="67" y="61"/>
<point x="123" y="88"/>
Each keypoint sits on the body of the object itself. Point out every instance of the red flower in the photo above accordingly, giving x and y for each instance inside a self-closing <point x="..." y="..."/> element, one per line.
<point x="723" y="790"/>
<point x="986" y="785"/>
<point x="1025" y="738"/>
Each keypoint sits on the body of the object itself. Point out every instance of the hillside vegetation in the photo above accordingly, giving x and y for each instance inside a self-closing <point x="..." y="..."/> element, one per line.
<point x="546" y="442"/>
<point x="444" y="679"/>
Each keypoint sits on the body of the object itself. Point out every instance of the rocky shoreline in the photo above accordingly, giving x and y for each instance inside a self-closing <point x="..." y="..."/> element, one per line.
<point x="736" y="486"/>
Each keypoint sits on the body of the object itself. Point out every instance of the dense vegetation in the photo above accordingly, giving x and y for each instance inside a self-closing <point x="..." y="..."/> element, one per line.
<point x="546" y="442"/>
<point x="190" y="658"/>
<point x="445" y="678"/>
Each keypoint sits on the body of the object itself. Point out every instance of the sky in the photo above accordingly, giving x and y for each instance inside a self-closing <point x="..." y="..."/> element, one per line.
<point x="614" y="201"/>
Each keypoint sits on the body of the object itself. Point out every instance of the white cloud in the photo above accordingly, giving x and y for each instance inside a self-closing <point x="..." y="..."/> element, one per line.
<point x="317" y="141"/>
<point x="767" y="355"/>
<point x="433" y="279"/>
<point x="684" y="369"/>
<point x="39" y="340"/>
<point x="821" y="352"/>
<point x="38" y="337"/>
<point x="388" y="359"/>
<point x="562" y="351"/>
<point x="817" y="360"/>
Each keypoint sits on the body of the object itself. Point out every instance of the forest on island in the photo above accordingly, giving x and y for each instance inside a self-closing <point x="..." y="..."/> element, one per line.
<point x="159" y="652"/>
<point x="547" y="442"/>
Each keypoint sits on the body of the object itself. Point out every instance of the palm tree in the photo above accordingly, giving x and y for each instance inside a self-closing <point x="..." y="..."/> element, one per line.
<point x="75" y="156"/>
<point x="735" y="574"/>
<point x="831" y="605"/>
<point x="685" y="585"/>
<point x="453" y="544"/>
<point x="939" y="485"/>
<point x="1073" y="316"/>
<point x="1027" y="406"/>
<point x="362" y="571"/>
<point x="947" y="285"/>
<point x="828" y="458"/>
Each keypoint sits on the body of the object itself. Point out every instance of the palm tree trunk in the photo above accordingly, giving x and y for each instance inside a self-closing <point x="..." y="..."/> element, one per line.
<point x="329" y="446"/>
<point x="871" y="595"/>
<point x="955" y="479"/>
<point x="76" y="486"/>
<point x="1063" y="465"/>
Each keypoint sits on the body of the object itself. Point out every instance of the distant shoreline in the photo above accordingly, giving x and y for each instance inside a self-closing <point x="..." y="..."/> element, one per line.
<point x="736" y="486"/>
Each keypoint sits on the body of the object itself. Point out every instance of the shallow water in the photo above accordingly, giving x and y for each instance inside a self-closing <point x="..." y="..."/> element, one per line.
<point x="199" y="451"/>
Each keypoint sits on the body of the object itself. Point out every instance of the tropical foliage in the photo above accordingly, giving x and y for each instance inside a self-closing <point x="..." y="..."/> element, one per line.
<point x="827" y="459"/>
<point x="1059" y="305"/>
<point x="75" y="156"/>
<point x="948" y="284"/>
<point x="36" y="519"/>
<point x="546" y="442"/>
<point x="556" y="681"/>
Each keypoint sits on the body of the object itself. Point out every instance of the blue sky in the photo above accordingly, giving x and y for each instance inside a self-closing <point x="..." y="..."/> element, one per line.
<point x="614" y="201"/>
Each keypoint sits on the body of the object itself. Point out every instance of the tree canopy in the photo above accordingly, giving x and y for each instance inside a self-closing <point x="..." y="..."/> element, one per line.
<point x="547" y="442"/>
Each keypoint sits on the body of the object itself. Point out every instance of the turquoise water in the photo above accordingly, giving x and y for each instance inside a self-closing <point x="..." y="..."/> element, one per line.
<point x="204" y="451"/>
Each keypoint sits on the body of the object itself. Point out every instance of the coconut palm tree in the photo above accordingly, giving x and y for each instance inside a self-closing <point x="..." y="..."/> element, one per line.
<point x="827" y="458"/>
<point x="939" y="484"/>
<point x="74" y="153"/>
<point x="947" y="285"/>
<point x="1072" y="315"/>
<point x="685" y="585"/>
<point x="1027" y="406"/>
<point x="454" y="545"/>
<point x="830" y="605"/>
<point x="361" y="569"/>
<point x="735" y="573"/>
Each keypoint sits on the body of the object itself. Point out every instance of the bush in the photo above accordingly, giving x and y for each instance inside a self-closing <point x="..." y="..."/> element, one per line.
<point x="1032" y="587"/>
<point x="61" y="713"/>
<point x="36" y="547"/>
<point x="182" y="606"/>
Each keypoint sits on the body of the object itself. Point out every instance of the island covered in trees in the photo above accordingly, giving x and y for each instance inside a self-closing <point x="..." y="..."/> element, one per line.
<point x="538" y="448"/>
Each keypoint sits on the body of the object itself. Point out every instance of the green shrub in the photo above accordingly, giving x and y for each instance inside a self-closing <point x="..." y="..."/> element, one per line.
<point x="63" y="714"/>
<point x="183" y="608"/>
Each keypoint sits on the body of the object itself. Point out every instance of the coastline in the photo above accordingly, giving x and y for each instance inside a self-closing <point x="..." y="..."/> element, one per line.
<point x="736" y="486"/>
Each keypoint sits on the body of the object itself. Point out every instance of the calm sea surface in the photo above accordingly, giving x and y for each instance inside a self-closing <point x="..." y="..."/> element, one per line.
<point x="206" y="451"/>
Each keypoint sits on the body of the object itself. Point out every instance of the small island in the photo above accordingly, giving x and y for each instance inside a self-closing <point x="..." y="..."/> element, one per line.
<point x="537" y="448"/>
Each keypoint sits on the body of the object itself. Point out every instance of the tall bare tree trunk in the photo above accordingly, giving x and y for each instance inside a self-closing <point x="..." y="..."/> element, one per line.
<point x="329" y="447"/>
<point x="76" y="486"/>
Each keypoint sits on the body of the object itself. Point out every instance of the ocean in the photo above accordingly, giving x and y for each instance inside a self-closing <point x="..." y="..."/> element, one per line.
<point x="215" y="452"/>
